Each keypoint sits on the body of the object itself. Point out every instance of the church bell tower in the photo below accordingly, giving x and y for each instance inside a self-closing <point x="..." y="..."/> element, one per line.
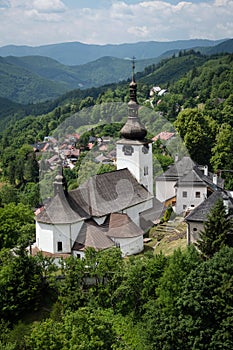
<point x="134" y="151"/>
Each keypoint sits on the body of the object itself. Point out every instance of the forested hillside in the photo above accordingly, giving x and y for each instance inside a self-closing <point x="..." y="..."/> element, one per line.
<point x="200" y="96"/>
<point x="181" y="301"/>
<point x="33" y="79"/>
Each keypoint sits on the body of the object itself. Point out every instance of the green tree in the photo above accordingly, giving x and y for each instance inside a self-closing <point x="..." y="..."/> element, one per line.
<point x="20" y="284"/>
<point x="30" y="195"/>
<point x="16" y="225"/>
<point x="201" y="314"/>
<point x="222" y="154"/>
<point x="198" y="132"/>
<point x="216" y="229"/>
<point x="139" y="280"/>
<point x="8" y="194"/>
<point x="83" y="329"/>
<point x="180" y="264"/>
<point x="31" y="168"/>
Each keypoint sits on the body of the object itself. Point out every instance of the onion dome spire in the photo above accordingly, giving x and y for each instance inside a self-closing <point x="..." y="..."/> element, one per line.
<point x="133" y="129"/>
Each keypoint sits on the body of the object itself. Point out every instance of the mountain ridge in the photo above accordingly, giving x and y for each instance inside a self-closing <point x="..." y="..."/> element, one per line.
<point x="75" y="53"/>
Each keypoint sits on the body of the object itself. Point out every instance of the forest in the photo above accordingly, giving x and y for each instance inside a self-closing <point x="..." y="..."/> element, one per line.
<point x="180" y="301"/>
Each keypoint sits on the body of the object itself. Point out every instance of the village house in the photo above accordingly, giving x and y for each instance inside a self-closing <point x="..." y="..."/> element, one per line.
<point x="196" y="218"/>
<point x="186" y="185"/>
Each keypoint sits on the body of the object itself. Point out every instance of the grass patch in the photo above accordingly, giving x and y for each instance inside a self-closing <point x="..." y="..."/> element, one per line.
<point x="167" y="237"/>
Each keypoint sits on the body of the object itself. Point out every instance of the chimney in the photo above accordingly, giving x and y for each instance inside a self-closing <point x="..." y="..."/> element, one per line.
<point x="215" y="179"/>
<point x="226" y="204"/>
<point x="206" y="170"/>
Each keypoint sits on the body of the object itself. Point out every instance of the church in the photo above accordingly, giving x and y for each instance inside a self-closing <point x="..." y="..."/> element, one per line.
<point x="106" y="210"/>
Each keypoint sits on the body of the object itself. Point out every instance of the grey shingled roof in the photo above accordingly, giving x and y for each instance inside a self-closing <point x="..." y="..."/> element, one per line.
<point x="177" y="170"/>
<point x="58" y="211"/>
<point x="201" y="212"/>
<point x="196" y="177"/>
<point x="121" y="226"/>
<point x="93" y="235"/>
<point x="109" y="192"/>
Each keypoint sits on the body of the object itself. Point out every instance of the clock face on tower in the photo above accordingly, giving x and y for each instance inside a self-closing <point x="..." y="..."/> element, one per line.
<point x="128" y="150"/>
<point x="145" y="149"/>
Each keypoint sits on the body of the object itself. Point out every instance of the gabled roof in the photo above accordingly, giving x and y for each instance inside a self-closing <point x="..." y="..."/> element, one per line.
<point x="163" y="135"/>
<point x="109" y="192"/>
<point x="196" y="177"/>
<point x="201" y="212"/>
<point x="177" y="170"/>
<point x="121" y="226"/>
<point x="93" y="235"/>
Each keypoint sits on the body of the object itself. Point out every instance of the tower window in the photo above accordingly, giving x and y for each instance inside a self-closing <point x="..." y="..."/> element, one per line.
<point x="145" y="170"/>
<point x="198" y="194"/>
<point x="128" y="150"/>
<point x="145" y="149"/>
<point x="185" y="195"/>
<point x="59" y="246"/>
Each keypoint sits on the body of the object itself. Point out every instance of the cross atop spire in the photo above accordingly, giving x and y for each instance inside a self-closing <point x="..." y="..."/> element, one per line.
<point x="133" y="68"/>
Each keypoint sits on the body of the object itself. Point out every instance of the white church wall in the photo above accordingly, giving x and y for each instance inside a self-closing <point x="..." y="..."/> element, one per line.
<point x="138" y="162"/>
<point x="62" y="234"/>
<point x="129" y="246"/>
<point x="75" y="229"/>
<point x="55" y="238"/>
<point x="133" y="212"/>
<point x="146" y="167"/>
<point x="44" y="237"/>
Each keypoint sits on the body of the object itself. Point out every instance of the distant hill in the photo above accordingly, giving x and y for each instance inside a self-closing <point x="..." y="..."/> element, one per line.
<point x="224" y="47"/>
<point x="76" y="53"/>
<point x="169" y="71"/>
<point x="23" y="86"/>
<point x="33" y="79"/>
<point x="188" y="74"/>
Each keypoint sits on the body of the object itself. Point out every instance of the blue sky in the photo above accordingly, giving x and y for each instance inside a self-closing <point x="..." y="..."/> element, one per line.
<point x="39" y="22"/>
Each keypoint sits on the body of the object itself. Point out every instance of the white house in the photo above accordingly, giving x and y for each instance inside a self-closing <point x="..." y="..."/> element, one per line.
<point x="185" y="185"/>
<point x="108" y="208"/>
<point x="165" y="183"/>
<point x="193" y="188"/>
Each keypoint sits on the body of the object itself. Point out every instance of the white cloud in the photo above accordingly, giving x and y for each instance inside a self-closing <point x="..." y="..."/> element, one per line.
<point x="141" y="32"/>
<point x="223" y="2"/>
<point x="43" y="16"/>
<point x="46" y="21"/>
<point x="48" y="5"/>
